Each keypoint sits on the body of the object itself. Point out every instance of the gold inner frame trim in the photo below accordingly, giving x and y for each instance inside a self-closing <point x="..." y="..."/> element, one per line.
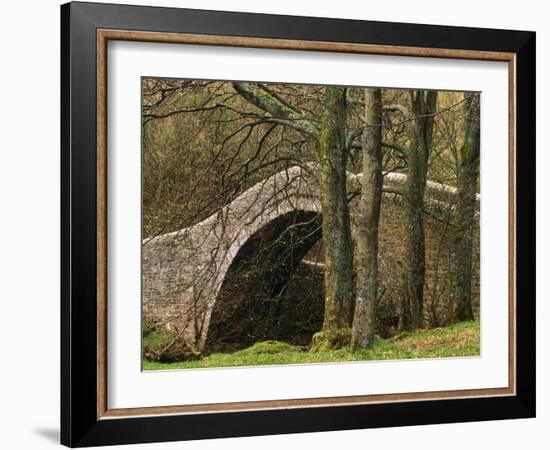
<point x="103" y="36"/>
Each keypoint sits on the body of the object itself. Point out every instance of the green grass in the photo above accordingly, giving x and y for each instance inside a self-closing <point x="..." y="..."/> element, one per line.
<point x="458" y="340"/>
<point x="155" y="341"/>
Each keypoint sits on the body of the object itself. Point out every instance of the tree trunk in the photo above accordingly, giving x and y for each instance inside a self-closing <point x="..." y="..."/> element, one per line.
<point x="368" y="215"/>
<point x="468" y="171"/>
<point x="338" y="254"/>
<point x="420" y="129"/>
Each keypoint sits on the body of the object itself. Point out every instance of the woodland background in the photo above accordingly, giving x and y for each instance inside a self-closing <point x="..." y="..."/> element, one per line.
<point x="207" y="142"/>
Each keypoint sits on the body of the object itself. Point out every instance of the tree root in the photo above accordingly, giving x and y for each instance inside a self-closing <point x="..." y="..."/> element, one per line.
<point x="323" y="341"/>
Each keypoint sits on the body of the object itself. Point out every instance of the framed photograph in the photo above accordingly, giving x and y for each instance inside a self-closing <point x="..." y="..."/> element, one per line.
<point x="276" y="224"/>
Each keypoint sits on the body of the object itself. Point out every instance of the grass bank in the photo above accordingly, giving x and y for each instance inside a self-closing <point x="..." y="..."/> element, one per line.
<point x="458" y="340"/>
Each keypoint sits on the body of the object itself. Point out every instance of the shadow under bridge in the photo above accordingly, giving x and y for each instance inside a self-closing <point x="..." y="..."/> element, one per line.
<point x="263" y="295"/>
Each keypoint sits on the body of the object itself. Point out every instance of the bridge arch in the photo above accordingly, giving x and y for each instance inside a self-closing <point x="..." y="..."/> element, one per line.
<point x="262" y="268"/>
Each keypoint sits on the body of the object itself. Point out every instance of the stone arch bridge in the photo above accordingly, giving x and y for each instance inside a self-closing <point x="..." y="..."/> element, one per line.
<point x="185" y="273"/>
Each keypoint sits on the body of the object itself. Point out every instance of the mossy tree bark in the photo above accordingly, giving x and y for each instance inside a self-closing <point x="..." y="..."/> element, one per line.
<point x="468" y="172"/>
<point x="420" y="129"/>
<point x="368" y="216"/>
<point x="337" y="244"/>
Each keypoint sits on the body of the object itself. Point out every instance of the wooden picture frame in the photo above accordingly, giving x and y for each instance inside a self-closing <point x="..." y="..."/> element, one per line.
<point x="86" y="418"/>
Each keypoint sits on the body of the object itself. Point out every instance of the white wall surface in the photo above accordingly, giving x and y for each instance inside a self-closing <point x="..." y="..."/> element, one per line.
<point x="29" y="224"/>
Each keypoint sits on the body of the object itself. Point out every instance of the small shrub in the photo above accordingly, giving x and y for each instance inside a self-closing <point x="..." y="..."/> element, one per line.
<point x="148" y="328"/>
<point x="153" y="342"/>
